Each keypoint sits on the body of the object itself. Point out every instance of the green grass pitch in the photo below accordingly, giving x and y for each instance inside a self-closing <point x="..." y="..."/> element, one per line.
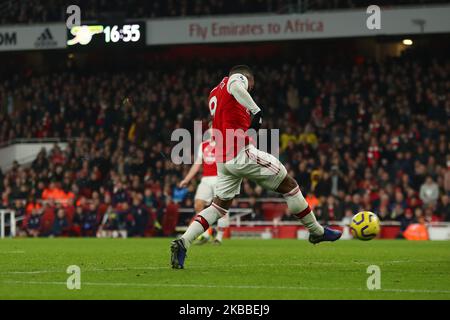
<point x="239" y="269"/>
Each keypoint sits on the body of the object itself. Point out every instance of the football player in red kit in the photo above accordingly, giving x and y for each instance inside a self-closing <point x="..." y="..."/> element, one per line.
<point x="234" y="112"/>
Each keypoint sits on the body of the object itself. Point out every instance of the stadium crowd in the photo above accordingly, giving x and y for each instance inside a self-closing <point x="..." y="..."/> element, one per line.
<point x="358" y="136"/>
<point x="27" y="11"/>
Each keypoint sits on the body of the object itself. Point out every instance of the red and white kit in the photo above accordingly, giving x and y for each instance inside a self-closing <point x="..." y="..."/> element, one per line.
<point x="231" y="107"/>
<point x="237" y="157"/>
<point x="206" y="154"/>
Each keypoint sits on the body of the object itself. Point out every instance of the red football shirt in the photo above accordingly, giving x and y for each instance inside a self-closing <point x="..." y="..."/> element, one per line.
<point x="207" y="154"/>
<point x="230" y="119"/>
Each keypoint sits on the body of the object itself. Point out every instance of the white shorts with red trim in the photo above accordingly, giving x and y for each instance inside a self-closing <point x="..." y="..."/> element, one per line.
<point x="205" y="190"/>
<point x="253" y="164"/>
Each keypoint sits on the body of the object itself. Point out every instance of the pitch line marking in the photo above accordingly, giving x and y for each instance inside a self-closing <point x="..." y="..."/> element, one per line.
<point x="87" y="270"/>
<point x="12" y="252"/>
<point x="126" y="284"/>
<point x="218" y="266"/>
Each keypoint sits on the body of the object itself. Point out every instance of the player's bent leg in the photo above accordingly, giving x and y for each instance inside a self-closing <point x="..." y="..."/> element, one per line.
<point x="287" y="185"/>
<point x="227" y="186"/>
<point x="271" y="174"/>
<point x="223" y="203"/>
<point x="204" y="219"/>
<point x="201" y="223"/>
<point x="299" y="207"/>
<point x="199" y="205"/>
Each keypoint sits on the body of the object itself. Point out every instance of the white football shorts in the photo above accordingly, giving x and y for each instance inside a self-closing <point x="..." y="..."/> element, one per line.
<point x="253" y="164"/>
<point x="205" y="190"/>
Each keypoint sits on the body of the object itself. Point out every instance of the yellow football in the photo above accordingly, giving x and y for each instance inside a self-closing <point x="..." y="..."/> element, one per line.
<point x="365" y="225"/>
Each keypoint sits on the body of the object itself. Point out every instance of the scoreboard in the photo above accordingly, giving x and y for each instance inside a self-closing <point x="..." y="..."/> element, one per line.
<point x="103" y="35"/>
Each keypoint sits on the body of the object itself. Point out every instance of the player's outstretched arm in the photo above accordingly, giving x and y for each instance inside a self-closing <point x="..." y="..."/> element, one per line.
<point x="192" y="172"/>
<point x="194" y="168"/>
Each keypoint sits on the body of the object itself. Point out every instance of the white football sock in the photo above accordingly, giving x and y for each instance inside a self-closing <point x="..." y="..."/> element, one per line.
<point x="193" y="231"/>
<point x="222" y="224"/>
<point x="310" y="222"/>
<point x="219" y="235"/>
<point x="201" y="223"/>
<point x="298" y="207"/>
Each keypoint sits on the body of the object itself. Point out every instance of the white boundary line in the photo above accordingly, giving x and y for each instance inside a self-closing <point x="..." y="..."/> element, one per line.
<point x="219" y="266"/>
<point x="229" y="266"/>
<point x="12" y="252"/>
<point x="174" y="285"/>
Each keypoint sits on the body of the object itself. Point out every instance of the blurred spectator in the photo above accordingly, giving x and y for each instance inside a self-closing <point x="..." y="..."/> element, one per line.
<point x="77" y="222"/>
<point x="406" y="218"/>
<point x="443" y="208"/>
<point x="89" y="221"/>
<point x="60" y="224"/>
<point x="34" y="224"/>
<point x="331" y="210"/>
<point x="179" y="194"/>
<point x="312" y="200"/>
<point x="110" y="227"/>
<point x="140" y="218"/>
<point x="429" y="192"/>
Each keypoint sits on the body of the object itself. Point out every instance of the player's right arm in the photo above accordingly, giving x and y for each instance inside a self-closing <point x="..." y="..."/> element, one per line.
<point x="193" y="170"/>
<point x="237" y="86"/>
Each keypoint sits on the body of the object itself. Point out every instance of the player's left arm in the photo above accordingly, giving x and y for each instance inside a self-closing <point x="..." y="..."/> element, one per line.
<point x="238" y="86"/>
<point x="193" y="170"/>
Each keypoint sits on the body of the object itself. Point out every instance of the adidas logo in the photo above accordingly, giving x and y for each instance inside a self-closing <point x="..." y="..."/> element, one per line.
<point x="45" y="40"/>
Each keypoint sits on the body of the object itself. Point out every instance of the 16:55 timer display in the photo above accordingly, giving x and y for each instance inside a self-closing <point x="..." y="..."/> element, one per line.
<point x="96" y="35"/>
<point x="129" y="32"/>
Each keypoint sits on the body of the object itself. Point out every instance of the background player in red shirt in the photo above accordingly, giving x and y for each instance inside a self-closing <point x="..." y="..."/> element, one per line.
<point x="234" y="112"/>
<point x="206" y="160"/>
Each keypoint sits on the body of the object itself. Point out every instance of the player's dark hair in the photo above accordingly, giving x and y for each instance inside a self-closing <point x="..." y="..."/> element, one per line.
<point x="241" y="68"/>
